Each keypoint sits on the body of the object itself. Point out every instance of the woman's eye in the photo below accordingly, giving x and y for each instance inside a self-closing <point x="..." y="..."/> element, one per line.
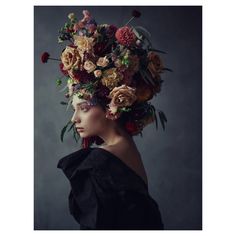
<point x="84" y="108"/>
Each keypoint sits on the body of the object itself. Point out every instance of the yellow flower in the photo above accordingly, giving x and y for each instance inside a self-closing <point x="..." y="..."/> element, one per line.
<point x="84" y="44"/>
<point x="70" y="58"/>
<point x="111" y="78"/>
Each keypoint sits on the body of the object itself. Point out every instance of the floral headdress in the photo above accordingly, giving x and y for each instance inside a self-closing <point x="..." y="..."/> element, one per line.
<point x="114" y="66"/>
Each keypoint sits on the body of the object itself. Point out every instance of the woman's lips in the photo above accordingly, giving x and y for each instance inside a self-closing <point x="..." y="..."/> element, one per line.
<point x="80" y="129"/>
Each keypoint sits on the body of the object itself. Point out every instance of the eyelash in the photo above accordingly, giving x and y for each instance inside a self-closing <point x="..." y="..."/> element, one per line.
<point x="82" y="108"/>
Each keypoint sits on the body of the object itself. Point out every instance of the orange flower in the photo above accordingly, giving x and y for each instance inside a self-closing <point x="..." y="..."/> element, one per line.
<point x="155" y="65"/>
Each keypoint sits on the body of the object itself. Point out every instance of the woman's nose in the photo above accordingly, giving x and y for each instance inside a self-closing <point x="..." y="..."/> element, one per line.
<point x="75" y="118"/>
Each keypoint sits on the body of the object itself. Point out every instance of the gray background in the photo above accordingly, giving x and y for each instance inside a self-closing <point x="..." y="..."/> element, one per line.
<point x="172" y="158"/>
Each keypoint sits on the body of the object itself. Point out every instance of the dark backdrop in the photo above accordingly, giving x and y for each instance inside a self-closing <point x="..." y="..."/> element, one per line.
<point x="172" y="158"/>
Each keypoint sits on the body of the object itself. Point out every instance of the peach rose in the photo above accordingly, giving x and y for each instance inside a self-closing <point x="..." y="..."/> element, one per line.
<point x="89" y="66"/>
<point x="70" y="58"/>
<point x="121" y="96"/>
<point x="155" y="65"/>
<point x="111" y="78"/>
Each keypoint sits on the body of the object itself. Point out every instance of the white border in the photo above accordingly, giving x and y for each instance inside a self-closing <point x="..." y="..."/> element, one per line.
<point x="218" y="116"/>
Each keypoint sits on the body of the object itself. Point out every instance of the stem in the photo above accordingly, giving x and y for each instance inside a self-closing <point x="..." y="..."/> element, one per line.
<point x="54" y="59"/>
<point x="130" y="20"/>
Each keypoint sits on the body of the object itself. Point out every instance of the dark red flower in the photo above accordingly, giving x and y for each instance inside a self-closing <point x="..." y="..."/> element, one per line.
<point x="131" y="127"/>
<point x="63" y="71"/>
<point x="101" y="49"/>
<point x="125" y="36"/>
<point x="136" y="13"/>
<point x="44" y="57"/>
<point x="111" y="30"/>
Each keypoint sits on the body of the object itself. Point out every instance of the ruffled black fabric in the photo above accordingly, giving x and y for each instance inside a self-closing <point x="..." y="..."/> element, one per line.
<point x="107" y="194"/>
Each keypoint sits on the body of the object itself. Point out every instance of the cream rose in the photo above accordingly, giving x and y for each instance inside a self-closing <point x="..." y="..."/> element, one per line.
<point x="84" y="44"/>
<point x="89" y="66"/>
<point x="102" y="61"/>
<point x="121" y="96"/>
<point x="71" y="16"/>
<point x="97" y="73"/>
<point x="70" y="58"/>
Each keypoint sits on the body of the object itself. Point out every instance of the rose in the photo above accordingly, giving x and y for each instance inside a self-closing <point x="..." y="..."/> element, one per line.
<point x="89" y="66"/>
<point x="125" y="36"/>
<point x="70" y="58"/>
<point x="121" y="96"/>
<point x="83" y="43"/>
<point x="155" y="65"/>
<point x="97" y="73"/>
<point x="102" y="61"/>
<point x="111" y="78"/>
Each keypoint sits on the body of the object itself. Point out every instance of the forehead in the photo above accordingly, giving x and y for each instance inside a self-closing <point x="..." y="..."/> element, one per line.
<point x="76" y="100"/>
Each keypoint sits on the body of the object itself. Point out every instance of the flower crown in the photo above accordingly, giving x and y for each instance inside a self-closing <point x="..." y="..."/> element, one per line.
<point x="114" y="66"/>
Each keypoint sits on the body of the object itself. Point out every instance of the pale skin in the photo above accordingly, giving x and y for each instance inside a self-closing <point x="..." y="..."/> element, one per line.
<point x="93" y="121"/>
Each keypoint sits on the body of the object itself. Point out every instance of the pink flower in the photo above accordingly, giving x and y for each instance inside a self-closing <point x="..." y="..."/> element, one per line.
<point x="125" y="36"/>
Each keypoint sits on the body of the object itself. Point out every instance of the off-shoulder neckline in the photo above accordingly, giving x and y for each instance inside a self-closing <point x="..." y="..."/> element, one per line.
<point x="121" y="162"/>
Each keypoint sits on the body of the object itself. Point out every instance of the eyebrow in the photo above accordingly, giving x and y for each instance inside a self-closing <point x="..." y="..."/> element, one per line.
<point x="78" y="104"/>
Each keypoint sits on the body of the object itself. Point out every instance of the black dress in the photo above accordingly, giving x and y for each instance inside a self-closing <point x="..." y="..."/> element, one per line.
<point x="107" y="194"/>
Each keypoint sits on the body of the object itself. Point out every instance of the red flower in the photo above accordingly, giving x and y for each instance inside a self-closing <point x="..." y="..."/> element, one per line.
<point x="136" y="13"/>
<point x="125" y="36"/>
<point x="131" y="127"/>
<point x="63" y="71"/>
<point x="111" y="31"/>
<point x="44" y="57"/>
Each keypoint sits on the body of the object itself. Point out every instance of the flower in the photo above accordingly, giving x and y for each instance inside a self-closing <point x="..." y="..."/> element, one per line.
<point x="155" y="65"/>
<point x="110" y="31"/>
<point x="84" y="44"/>
<point x="102" y="61"/>
<point x="125" y="36"/>
<point x="131" y="127"/>
<point x="136" y="13"/>
<point x="97" y="73"/>
<point x="70" y="58"/>
<point x="111" y="78"/>
<point x="121" y="96"/>
<point x="112" y="116"/>
<point x="71" y="16"/>
<point x="45" y="56"/>
<point x="89" y="66"/>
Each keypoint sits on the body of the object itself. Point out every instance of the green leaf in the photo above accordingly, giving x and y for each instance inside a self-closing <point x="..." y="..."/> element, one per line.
<point x="63" y="103"/>
<point x="71" y="127"/>
<point x="162" y="118"/>
<point x="156" y="50"/>
<point x="64" y="130"/>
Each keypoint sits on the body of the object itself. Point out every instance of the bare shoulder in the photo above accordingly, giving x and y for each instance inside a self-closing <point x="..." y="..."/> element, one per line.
<point x="130" y="155"/>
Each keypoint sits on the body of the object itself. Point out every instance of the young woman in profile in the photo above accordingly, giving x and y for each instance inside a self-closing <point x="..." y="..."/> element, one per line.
<point x="111" y="77"/>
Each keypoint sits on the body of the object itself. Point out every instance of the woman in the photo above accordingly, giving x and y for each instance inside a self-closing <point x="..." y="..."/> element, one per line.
<point x="111" y="74"/>
<point x="109" y="183"/>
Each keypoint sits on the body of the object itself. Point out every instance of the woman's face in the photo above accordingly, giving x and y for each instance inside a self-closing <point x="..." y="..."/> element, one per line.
<point x="89" y="119"/>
